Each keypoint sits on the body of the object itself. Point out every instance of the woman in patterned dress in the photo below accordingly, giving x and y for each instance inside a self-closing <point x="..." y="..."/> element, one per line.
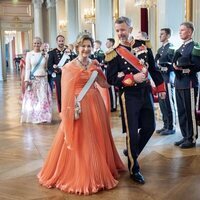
<point x="37" y="101"/>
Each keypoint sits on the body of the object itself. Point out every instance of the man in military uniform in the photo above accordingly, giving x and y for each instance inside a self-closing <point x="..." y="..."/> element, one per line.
<point x="112" y="90"/>
<point x="128" y="67"/>
<point x="45" y="50"/>
<point x="186" y="63"/>
<point x="98" y="52"/>
<point x="163" y="60"/>
<point x="58" y="57"/>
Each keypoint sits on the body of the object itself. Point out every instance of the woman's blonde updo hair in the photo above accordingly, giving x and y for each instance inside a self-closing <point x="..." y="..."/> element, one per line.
<point x="37" y="38"/>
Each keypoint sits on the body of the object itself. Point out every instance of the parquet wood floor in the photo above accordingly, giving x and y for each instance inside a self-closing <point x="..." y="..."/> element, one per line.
<point x="170" y="173"/>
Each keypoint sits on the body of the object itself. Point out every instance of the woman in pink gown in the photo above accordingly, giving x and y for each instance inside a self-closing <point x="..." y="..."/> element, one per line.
<point x="83" y="158"/>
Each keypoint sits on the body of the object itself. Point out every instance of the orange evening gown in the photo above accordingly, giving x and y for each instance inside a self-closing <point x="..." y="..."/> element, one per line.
<point x="83" y="158"/>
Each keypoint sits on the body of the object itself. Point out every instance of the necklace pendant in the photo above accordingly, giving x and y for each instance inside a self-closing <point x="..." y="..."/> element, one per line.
<point x="84" y="66"/>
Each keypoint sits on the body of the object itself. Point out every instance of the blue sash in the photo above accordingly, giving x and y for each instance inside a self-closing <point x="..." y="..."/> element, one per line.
<point x="35" y="68"/>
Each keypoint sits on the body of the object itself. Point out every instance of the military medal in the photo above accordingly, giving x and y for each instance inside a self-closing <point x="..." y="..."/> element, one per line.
<point x="53" y="75"/>
<point x="133" y="52"/>
<point x="144" y="70"/>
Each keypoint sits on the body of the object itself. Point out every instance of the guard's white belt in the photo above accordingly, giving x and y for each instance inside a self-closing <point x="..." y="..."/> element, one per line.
<point x="163" y="69"/>
<point x="186" y="71"/>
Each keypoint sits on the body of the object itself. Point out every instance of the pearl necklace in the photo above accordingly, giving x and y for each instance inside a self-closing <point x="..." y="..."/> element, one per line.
<point x="85" y="66"/>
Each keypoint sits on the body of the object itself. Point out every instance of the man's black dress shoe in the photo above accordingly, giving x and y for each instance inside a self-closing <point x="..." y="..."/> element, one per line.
<point x="187" y="145"/>
<point x="167" y="132"/>
<point x="160" y="130"/>
<point x="137" y="177"/>
<point x="179" y="142"/>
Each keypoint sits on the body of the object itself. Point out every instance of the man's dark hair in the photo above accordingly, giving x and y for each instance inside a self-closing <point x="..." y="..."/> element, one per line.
<point x="59" y="36"/>
<point x="123" y="19"/>
<point x="112" y="40"/>
<point x="167" y="31"/>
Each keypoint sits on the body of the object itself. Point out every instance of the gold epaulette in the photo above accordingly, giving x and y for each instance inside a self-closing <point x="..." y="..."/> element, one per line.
<point x="148" y="44"/>
<point x="110" y="55"/>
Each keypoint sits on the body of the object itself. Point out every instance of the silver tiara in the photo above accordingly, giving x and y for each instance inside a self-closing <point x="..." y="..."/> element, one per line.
<point x="81" y="34"/>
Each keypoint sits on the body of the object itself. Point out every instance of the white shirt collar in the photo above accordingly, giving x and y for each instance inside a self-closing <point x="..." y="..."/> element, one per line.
<point x="188" y="41"/>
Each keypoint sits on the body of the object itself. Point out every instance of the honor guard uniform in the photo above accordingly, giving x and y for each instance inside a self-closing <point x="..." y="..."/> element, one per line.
<point x="99" y="55"/>
<point x="113" y="91"/>
<point x="123" y="63"/>
<point x="112" y="88"/>
<point x="70" y="47"/>
<point x="163" y="60"/>
<point x="73" y="55"/>
<point x="187" y="64"/>
<point x="57" y="59"/>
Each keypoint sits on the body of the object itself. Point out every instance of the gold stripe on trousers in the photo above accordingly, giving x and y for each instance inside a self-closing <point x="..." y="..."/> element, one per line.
<point x="128" y="134"/>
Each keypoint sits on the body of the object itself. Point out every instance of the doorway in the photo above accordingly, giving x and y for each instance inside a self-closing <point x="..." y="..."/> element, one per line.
<point x="14" y="43"/>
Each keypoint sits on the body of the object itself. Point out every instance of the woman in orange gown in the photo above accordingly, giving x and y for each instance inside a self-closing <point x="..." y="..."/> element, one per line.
<point x="83" y="158"/>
